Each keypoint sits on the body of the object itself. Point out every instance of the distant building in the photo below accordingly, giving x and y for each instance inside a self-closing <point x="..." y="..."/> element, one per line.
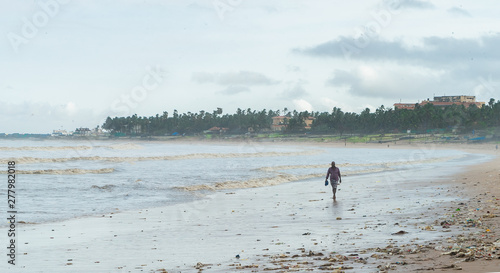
<point x="409" y="106"/>
<point x="136" y="129"/>
<point x="82" y="132"/>
<point x="216" y="130"/>
<point x="59" y="133"/>
<point x="279" y="123"/>
<point x="455" y="99"/>
<point x="308" y="121"/>
<point x="98" y="132"/>
<point x="444" y="101"/>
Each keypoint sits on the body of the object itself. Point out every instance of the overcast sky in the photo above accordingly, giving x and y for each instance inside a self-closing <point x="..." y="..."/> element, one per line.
<point x="71" y="63"/>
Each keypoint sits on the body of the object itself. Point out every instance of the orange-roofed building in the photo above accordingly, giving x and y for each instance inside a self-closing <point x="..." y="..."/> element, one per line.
<point x="308" y="121"/>
<point x="443" y="101"/>
<point x="409" y="106"/>
<point x="279" y="123"/>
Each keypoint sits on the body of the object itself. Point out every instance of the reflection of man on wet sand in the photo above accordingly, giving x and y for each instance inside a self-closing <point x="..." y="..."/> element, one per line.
<point x="335" y="178"/>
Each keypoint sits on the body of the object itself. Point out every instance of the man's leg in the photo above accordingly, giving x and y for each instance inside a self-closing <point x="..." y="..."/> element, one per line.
<point x="334" y="189"/>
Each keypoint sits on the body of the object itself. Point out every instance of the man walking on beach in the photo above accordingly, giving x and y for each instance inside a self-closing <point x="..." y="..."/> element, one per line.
<point x="335" y="178"/>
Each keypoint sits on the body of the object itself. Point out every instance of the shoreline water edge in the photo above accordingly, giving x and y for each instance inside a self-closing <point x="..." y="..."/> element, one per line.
<point x="411" y="218"/>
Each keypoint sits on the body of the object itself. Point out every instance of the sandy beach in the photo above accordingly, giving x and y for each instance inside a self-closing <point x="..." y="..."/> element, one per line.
<point x="479" y="249"/>
<point x="286" y="228"/>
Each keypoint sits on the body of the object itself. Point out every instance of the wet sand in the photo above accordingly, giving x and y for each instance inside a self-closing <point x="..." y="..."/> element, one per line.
<point x="469" y="241"/>
<point x="478" y="248"/>
<point x="285" y="228"/>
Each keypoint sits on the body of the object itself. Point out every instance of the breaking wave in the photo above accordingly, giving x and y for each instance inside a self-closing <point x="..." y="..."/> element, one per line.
<point x="124" y="146"/>
<point x="281" y="178"/>
<point x="121" y="146"/>
<point x="266" y="181"/>
<point x="64" y="171"/>
<point x="386" y="164"/>
<point x="45" y="148"/>
<point x="28" y="160"/>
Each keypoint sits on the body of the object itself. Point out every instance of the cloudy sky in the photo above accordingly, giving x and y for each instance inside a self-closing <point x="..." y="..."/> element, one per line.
<point x="71" y="63"/>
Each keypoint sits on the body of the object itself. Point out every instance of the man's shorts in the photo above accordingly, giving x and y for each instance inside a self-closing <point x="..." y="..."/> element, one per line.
<point x="334" y="183"/>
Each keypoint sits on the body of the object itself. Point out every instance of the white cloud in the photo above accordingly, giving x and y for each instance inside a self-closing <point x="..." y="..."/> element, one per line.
<point x="71" y="108"/>
<point x="487" y="88"/>
<point x="302" y="105"/>
<point x="234" y="78"/>
<point x="44" y="117"/>
<point x="235" y="89"/>
<point x="295" y="90"/>
<point x="331" y="103"/>
<point x="387" y="82"/>
<point x="417" y="4"/>
<point x="262" y="55"/>
<point x="459" y="12"/>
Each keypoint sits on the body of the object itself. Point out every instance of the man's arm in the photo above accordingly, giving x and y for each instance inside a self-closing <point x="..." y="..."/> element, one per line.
<point x="340" y="177"/>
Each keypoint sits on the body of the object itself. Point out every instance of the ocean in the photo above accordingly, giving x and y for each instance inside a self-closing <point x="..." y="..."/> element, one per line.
<point x="63" y="179"/>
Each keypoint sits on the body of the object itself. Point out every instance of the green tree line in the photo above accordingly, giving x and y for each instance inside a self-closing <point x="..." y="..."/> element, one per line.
<point x="382" y="120"/>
